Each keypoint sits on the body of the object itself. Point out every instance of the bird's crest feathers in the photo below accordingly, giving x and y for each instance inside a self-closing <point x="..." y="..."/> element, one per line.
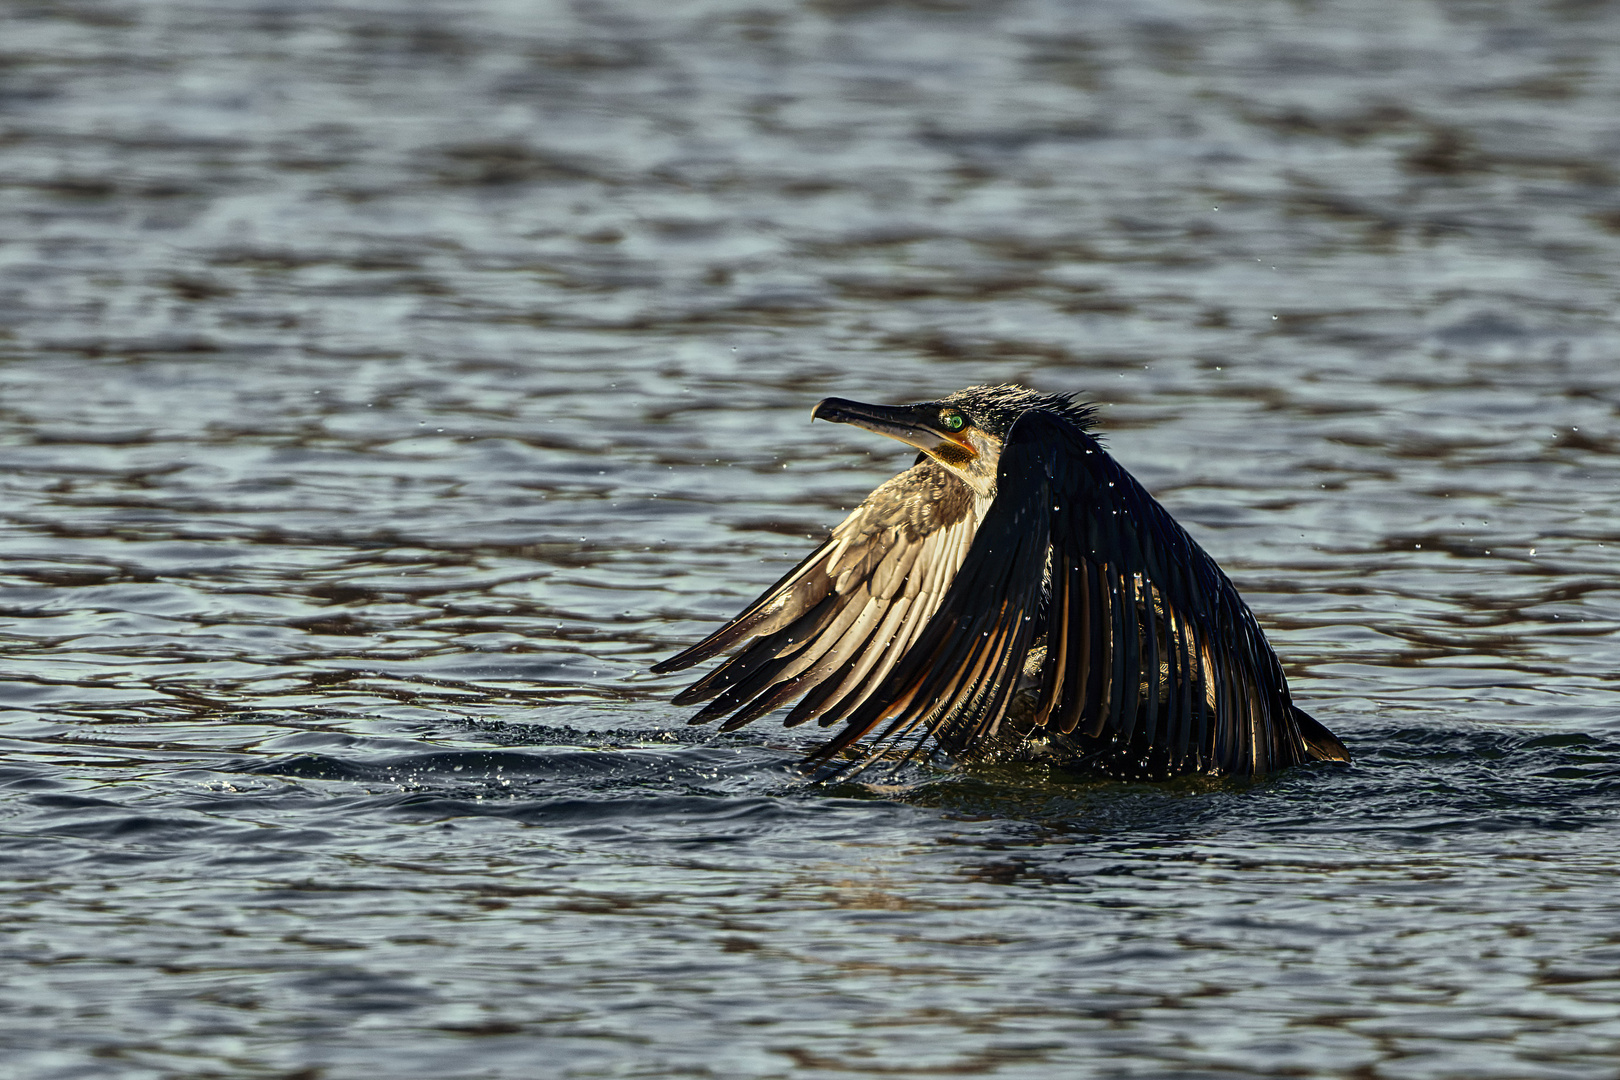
<point x="995" y="407"/>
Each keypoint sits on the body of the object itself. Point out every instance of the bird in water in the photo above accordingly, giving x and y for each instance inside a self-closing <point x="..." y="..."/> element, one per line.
<point x="1014" y="595"/>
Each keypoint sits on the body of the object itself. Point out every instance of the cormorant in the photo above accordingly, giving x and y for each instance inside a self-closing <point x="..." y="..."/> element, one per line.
<point x="1015" y="594"/>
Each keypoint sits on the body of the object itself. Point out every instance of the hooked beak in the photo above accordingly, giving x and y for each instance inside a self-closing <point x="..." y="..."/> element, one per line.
<point x="914" y="425"/>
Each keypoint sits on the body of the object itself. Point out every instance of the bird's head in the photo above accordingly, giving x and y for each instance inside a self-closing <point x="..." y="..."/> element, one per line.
<point x="963" y="432"/>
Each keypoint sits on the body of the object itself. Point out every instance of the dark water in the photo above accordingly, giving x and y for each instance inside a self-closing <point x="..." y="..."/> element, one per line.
<point x="384" y="386"/>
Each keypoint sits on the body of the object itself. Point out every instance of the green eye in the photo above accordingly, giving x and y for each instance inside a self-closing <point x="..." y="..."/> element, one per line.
<point x="953" y="421"/>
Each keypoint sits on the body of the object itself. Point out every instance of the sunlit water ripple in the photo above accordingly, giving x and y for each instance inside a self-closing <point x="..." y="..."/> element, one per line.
<point x="383" y="387"/>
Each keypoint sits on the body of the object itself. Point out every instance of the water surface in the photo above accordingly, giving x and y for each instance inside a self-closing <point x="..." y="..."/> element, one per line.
<point x="384" y="387"/>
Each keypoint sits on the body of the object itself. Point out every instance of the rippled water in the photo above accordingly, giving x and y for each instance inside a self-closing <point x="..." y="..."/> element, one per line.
<point x="383" y="387"/>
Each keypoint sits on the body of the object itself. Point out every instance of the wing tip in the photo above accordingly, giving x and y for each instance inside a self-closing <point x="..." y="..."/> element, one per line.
<point x="713" y="645"/>
<point x="1320" y="743"/>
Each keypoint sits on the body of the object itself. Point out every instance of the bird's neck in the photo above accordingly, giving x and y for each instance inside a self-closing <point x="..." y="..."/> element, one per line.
<point x="981" y="504"/>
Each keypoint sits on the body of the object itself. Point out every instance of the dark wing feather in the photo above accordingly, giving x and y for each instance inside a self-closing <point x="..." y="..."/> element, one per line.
<point x="1185" y="644"/>
<point x="960" y="674"/>
<point x="834" y="626"/>
<point x="1152" y="657"/>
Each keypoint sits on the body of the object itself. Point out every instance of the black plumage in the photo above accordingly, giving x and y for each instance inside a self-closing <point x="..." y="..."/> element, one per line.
<point x="1014" y="594"/>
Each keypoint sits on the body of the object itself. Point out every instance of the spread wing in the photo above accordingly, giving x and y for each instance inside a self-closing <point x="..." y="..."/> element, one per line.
<point x="836" y="625"/>
<point x="1149" y="650"/>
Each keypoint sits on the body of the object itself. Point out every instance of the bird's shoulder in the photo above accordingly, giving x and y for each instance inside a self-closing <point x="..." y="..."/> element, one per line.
<point x="910" y="506"/>
<point x="1055" y="433"/>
